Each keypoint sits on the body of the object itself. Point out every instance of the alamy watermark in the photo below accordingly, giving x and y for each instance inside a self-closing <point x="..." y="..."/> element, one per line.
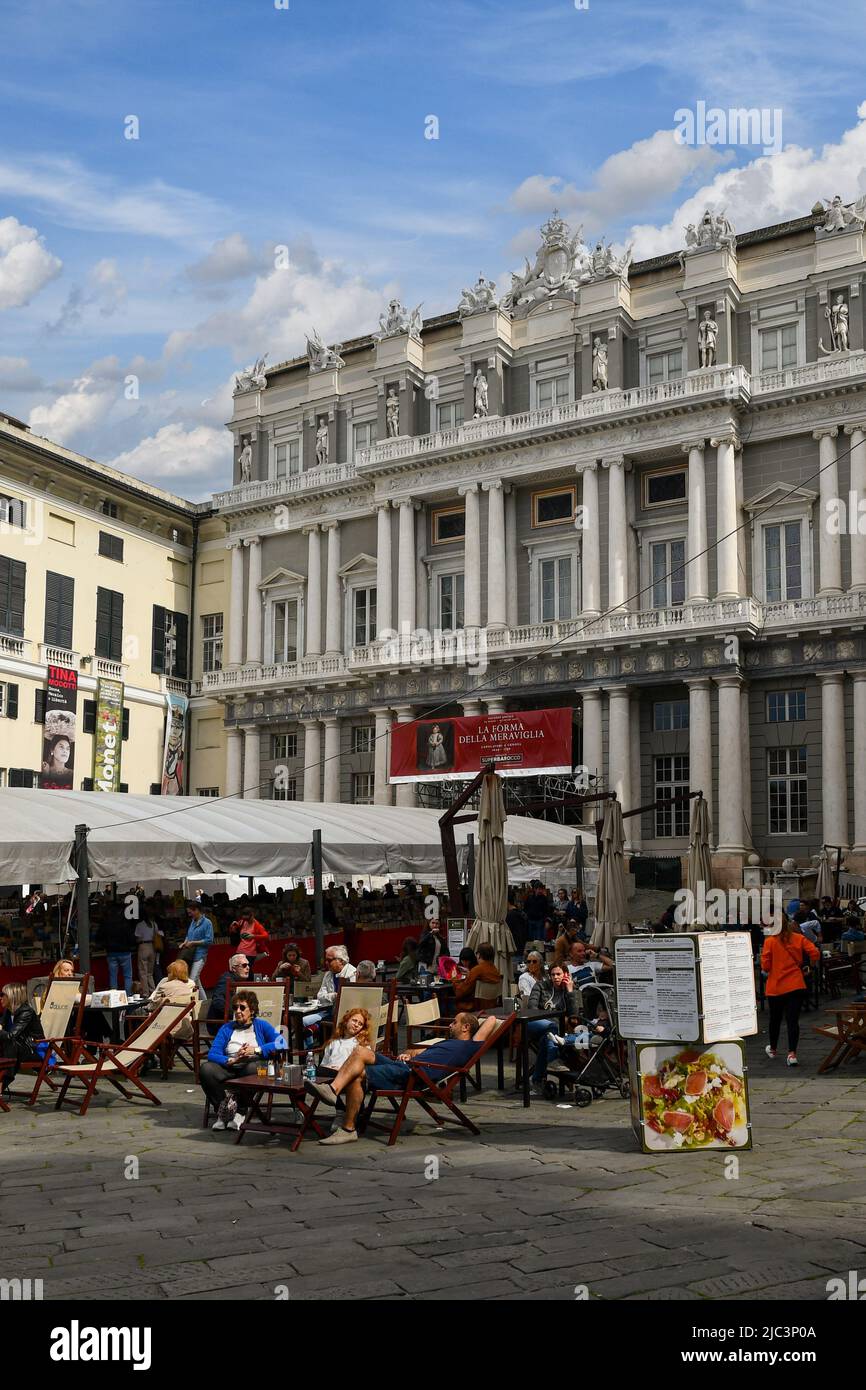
<point x="739" y="125"/>
<point x="715" y="907"/>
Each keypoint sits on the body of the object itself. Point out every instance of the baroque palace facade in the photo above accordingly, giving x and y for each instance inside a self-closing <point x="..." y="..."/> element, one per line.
<point x="623" y="488"/>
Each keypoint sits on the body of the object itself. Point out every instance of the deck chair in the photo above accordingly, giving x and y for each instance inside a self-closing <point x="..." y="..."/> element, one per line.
<point x="488" y="995"/>
<point x="434" y="1093"/>
<point x="120" y="1062"/>
<point x="380" y="1003"/>
<point x="848" y="1036"/>
<point x="273" y="1001"/>
<point x="62" y="1011"/>
<point x="188" y="1051"/>
<point x="421" y="1016"/>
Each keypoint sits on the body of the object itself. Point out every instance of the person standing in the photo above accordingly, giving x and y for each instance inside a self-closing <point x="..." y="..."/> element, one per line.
<point x="785" y="957"/>
<point x="198" y="941"/>
<point x="145" y="930"/>
<point x="119" y="934"/>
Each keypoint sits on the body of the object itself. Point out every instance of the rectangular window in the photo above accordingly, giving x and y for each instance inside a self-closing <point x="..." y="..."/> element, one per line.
<point x="664" y="366"/>
<point x="554" y="584"/>
<point x="363" y="617"/>
<point x="554" y="391"/>
<point x="449" y="415"/>
<point x="284" y="745"/>
<point x="21" y="777"/>
<point x="8" y="700"/>
<point x="778" y="348"/>
<point x="668" y="559"/>
<point x="212" y="641"/>
<point x="362" y="788"/>
<point x="284" y="789"/>
<point x="363" y="739"/>
<point x="207" y="791"/>
<point x="785" y="706"/>
<point x="170" y="635"/>
<point x="787" y="791"/>
<point x="663" y="488"/>
<point x="12" y="511"/>
<point x="670" y="714"/>
<point x="109" y="624"/>
<point x="59" y="595"/>
<point x="449" y="524"/>
<point x="364" y="435"/>
<point x="287" y="459"/>
<point x="450" y="602"/>
<point x="285" y="630"/>
<point x="782" y="561"/>
<point x="12" y="579"/>
<point x="111" y="547"/>
<point x="109" y="508"/>
<point x="550" y="508"/>
<point x="672" y="776"/>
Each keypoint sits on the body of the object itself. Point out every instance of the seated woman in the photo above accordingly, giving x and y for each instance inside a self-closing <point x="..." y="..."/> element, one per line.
<point x="177" y="988"/>
<point x="407" y="970"/>
<point x="62" y="970"/>
<point x="236" y="1051"/>
<point x="485" y="970"/>
<point x="530" y="977"/>
<point x="292" y="964"/>
<point x="20" y="1033"/>
<point x="351" y="1032"/>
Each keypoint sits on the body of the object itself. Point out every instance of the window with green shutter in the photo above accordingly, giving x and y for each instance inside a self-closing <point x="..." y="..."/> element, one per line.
<point x="12" y="577"/>
<point x="59" y="599"/>
<point x="109" y="624"/>
<point x="169" y="641"/>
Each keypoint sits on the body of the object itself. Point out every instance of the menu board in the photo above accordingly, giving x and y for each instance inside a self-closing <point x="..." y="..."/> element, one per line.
<point x="656" y="985"/>
<point x="727" y="986"/>
<point x="458" y="930"/>
<point x="697" y="985"/>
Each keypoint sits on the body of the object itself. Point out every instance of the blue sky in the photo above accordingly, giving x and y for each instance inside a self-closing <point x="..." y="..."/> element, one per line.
<point x="305" y="127"/>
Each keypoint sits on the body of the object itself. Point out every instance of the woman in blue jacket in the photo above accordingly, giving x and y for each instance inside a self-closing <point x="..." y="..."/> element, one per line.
<point x="237" y="1050"/>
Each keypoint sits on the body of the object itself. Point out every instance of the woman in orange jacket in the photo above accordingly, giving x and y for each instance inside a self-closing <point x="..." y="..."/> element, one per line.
<point x="784" y="958"/>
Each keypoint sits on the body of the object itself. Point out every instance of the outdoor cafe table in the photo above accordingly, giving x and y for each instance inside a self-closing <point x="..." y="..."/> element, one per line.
<point x="520" y="1021"/>
<point x="263" y="1091"/>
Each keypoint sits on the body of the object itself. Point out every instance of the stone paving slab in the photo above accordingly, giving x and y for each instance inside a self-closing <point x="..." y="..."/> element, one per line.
<point x="544" y="1201"/>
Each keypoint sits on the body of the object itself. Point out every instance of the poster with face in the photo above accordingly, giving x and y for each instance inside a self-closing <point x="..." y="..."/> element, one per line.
<point x="174" y="752"/>
<point x="58" y="738"/>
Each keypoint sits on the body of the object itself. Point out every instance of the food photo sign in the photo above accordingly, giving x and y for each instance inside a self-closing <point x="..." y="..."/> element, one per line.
<point x="685" y="1099"/>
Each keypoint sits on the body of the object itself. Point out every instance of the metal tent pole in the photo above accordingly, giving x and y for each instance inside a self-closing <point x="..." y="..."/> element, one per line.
<point x="318" y="906"/>
<point x="82" y="898"/>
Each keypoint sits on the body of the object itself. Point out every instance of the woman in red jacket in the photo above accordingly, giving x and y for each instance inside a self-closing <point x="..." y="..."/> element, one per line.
<point x="783" y="960"/>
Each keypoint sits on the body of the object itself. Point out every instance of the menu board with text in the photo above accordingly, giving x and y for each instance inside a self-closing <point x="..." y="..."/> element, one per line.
<point x="688" y="987"/>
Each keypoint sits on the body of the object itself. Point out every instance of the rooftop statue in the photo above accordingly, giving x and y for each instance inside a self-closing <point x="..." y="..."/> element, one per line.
<point x="252" y="378"/>
<point x="561" y="263"/>
<point x="323" y="358"/>
<point x="839" y="216"/>
<point x="712" y="232"/>
<point x="398" y="320"/>
<point x="603" y="262"/>
<point x="480" y="298"/>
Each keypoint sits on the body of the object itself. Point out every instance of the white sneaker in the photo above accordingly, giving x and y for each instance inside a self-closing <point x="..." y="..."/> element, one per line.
<point x="791" y="1059"/>
<point x="220" y="1124"/>
<point x="770" y="1051"/>
<point x="236" y="1122"/>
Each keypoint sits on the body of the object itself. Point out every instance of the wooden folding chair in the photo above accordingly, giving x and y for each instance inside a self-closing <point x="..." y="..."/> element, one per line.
<point x="187" y="1051"/>
<point x="61" y="1014"/>
<point x="431" y="1086"/>
<point x="273" y="1001"/>
<point x="488" y="994"/>
<point x="847" y="1036"/>
<point x="119" y="1062"/>
<point x="420" y="1016"/>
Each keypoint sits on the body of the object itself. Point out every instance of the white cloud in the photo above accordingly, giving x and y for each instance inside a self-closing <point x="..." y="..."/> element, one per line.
<point x="16" y="374"/>
<point x="229" y="259"/>
<point x="103" y="290"/>
<point x="83" y="406"/>
<point x="201" y="454"/>
<point x="25" y="265"/>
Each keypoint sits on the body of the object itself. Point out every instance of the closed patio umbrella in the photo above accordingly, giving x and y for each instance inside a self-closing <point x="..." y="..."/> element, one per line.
<point x="611" y="920"/>
<point x="699" y="869"/>
<point x="491" y="880"/>
<point x="825" y="882"/>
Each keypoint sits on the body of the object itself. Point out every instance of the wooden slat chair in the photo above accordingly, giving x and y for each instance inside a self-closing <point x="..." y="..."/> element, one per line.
<point x="273" y="1001"/>
<point x="61" y="1014"/>
<point x="432" y="1094"/>
<point x="380" y="1003"/>
<point x="848" y="1036"/>
<point x="188" y="1051"/>
<point x="421" y="1016"/>
<point x="120" y="1062"/>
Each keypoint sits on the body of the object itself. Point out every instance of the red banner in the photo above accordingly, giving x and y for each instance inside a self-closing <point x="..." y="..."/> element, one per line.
<point x="523" y="744"/>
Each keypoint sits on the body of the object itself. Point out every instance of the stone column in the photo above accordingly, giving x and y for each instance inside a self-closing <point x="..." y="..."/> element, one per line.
<point x="406" y="572"/>
<point x="236" y="605"/>
<point x="406" y="792"/>
<point x="334" y="604"/>
<point x="746" y="747"/>
<point x="859" y="679"/>
<point x="332" y="758"/>
<point x="593" y="748"/>
<point x="727" y="578"/>
<point x="619" y="748"/>
<point x="511" y="611"/>
<point x="697" y="581"/>
<point x="634" y="831"/>
<point x="495" y="706"/>
<point x="382" y="754"/>
<point x="731" y="829"/>
<point x="472" y="558"/>
<point x="312" y="760"/>
<point x="829" y="541"/>
<point x="496" y="566"/>
<point x="617" y="533"/>
<point x="254" y="603"/>
<point x="234" y="774"/>
<point x="384" y="582"/>
<point x="834" y="770"/>
<point x="700" y="740"/>
<point x="856" y="508"/>
<point x="422" y="605"/>
<point x="471" y="708"/>
<point x="590" y="550"/>
<point x="313" y="618"/>
<point x="252" y="763"/>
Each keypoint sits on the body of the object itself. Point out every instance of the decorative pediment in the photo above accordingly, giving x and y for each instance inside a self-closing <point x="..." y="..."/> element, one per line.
<point x="281" y="577"/>
<point x="361" y="564"/>
<point x="777" y="494"/>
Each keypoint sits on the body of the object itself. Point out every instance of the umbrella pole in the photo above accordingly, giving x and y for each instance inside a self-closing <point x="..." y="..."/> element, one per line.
<point x="578" y="863"/>
<point x="470" y="875"/>
<point x="82" y="899"/>
<point x="318" y="907"/>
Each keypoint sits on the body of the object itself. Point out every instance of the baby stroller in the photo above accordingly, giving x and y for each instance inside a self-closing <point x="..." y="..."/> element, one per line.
<point x="605" y="1069"/>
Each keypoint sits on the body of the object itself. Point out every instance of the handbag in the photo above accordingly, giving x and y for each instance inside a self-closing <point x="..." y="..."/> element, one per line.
<point x="186" y="954"/>
<point x="803" y="964"/>
<point x="158" y="941"/>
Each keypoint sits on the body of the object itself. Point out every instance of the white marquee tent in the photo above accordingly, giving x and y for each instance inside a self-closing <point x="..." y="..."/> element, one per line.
<point x="133" y="837"/>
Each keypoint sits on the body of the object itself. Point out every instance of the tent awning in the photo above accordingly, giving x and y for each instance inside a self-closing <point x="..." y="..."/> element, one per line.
<point x="154" y="836"/>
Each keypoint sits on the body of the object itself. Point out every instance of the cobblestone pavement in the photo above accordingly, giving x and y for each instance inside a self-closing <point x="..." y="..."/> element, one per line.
<point x="544" y="1200"/>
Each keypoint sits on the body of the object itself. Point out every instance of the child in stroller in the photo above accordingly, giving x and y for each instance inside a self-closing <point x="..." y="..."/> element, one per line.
<point x="593" y="1060"/>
